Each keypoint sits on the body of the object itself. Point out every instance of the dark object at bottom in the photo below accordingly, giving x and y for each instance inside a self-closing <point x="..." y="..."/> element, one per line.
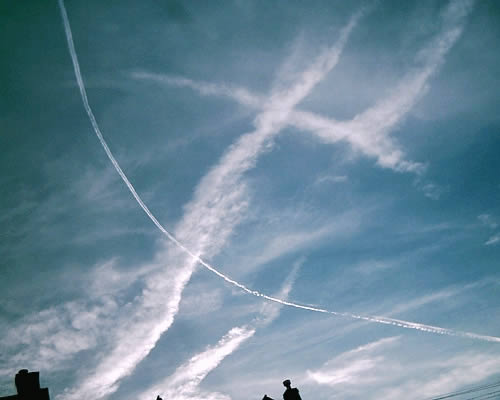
<point x="28" y="387"/>
<point x="290" y="392"/>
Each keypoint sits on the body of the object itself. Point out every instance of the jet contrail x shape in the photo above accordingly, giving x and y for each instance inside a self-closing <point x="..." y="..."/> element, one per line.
<point x="95" y="126"/>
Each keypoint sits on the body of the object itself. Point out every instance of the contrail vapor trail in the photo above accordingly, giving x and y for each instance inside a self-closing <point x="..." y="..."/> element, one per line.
<point x="95" y="126"/>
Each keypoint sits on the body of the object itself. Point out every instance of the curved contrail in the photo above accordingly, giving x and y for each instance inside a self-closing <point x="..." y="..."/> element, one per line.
<point x="95" y="126"/>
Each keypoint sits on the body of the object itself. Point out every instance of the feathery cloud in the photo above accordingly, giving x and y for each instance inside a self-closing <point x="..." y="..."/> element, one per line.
<point x="217" y="207"/>
<point x="495" y="239"/>
<point x="184" y="382"/>
<point x="376" y="371"/>
<point x="220" y="199"/>
<point x="368" y="132"/>
<point x="488" y="220"/>
<point x="352" y="367"/>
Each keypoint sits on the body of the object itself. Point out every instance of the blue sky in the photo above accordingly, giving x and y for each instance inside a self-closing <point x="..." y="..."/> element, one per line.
<point x="338" y="156"/>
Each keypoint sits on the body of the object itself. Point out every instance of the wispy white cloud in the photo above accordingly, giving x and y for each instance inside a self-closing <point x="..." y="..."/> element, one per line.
<point x="200" y="300"/>
<point x="184" y="383"/>
<point x="39" y="221"/>
<point x="319" y="336"/>
<point x="451" y="297"/>
<point x="352" y="367"/>
<point x="446" y="376"/>
<point x="217" y="207"/>
<point x="331" y="179"/>
<point x="372" y="266"/>
<point x="495" y="239"/>
<point x="281" y="243"/>
<point x="241" y="95"/>
<point x="431" y="190"/>
<point x="488" y="220"/>
<point x="368" y="132"/>
<point x="108" y="278"/>
<point x="439" y="296"/>
<point x="290" y="231"/>
<point x="49" y="338"/>
<point x="219" y="204"/>
<point x="376" y="371"/>
<point x="270" y="311"/>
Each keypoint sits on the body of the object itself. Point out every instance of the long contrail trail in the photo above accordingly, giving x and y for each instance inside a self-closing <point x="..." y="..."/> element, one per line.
<point x="95" y="126"/>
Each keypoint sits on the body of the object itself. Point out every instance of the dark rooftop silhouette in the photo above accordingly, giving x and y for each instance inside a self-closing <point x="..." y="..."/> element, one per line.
<point x="28" y="387"/>
<point x="290" y="392"/>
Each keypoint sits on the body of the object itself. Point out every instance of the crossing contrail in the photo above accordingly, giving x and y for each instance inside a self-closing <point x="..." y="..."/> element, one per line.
<point x="116" y="165"/>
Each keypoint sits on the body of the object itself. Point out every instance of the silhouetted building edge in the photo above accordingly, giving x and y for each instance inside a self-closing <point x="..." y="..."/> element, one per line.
<point x="28" y="387"/>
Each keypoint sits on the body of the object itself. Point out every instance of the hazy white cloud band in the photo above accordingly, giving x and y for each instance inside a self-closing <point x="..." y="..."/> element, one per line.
<point x="375" y="122"/>
<point x="184" y="383"/>
<point x="242" y="156"/>
<point x="210" y="217"/>
<point x="368" y="132"/>
<point x="352" y="373"/>
<point x="268" y="123"/>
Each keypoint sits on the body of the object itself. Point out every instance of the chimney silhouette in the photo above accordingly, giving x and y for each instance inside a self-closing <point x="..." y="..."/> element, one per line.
<point x="28" y="387"/>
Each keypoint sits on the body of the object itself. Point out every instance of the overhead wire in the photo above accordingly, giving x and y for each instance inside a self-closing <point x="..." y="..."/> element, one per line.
<point x="467" y="391"/>
<point x="485" y="396"/>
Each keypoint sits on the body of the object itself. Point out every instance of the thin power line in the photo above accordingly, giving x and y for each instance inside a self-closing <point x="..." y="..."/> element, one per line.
<point x="466" y="391"/>
<point x="471" y="390"/>
<point x="486" y="396"/>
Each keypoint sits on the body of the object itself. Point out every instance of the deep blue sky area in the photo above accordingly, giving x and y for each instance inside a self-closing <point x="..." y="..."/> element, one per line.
<point x="340" y="158"/>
